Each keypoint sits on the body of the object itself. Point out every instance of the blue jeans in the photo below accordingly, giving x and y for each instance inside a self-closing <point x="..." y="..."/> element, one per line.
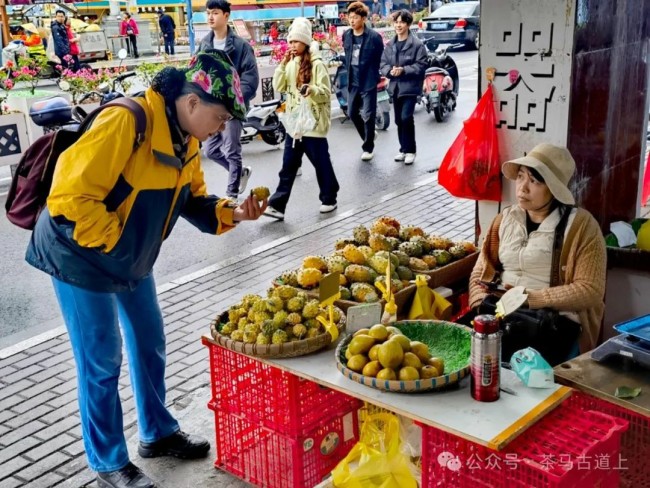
<point x="92" y="322"/>
<point x="224" y="149"/>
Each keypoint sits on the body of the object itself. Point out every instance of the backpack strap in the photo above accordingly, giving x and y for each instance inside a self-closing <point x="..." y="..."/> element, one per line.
<point x="134" y="107"/>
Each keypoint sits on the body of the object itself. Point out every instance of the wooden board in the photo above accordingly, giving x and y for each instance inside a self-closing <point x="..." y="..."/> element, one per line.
<point x="492" y="425"/>
<point x="602" y="379"/>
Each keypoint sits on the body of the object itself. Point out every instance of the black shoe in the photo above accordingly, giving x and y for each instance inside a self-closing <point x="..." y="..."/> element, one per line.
<point x="179" y="445"/>
<point x="129" y="476"/>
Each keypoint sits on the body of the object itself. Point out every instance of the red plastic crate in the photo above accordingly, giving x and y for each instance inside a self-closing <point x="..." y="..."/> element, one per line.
<point x="635" y="442"/>
<point x="269" y="459"/>
<point x="566" y="449"/>
<point x="266" y="395"/>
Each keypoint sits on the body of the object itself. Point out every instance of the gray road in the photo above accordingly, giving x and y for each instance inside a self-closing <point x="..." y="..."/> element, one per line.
<point x="27" y="304"/>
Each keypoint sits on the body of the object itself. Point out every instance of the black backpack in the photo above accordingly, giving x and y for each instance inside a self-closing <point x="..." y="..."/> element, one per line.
<point x="32" y="180"/>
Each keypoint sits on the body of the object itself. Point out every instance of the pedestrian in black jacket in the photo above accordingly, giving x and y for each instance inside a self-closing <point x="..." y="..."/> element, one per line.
<point x="168" y="30"/>
<point x="363" y="49"/>
<point x="404" y="63"/>
<point x="60" y="38"/>
<point x="225" y="148"/>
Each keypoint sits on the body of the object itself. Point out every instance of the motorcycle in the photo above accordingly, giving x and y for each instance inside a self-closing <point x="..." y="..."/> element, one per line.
<point x="382" y="117"/>
<point x="441" y="85"/>
<point x="262" y="119"/>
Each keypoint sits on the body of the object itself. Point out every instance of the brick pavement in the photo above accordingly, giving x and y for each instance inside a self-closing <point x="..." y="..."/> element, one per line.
<point x="40" y="436"/>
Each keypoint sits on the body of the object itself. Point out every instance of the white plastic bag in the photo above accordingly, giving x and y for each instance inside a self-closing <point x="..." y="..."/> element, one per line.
<point x="300" y="121"/>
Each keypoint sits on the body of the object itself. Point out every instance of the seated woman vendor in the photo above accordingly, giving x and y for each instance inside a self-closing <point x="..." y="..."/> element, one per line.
<point x="518" y="251"/>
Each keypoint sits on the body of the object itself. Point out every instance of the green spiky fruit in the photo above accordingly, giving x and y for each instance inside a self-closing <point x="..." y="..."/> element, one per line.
<point x="250" y="337"/>
<point x="268" y="327"/>
<point x="260" y="317"/>
<point x="412" y="249"/>
<point x="309" y="277"/>
<point x="242" y="323"/>
<point x="279" y="337"/>
<point x="311" y="309"/>
<point x="361" y="234"/>
<point x="457" y="252"/>
<point x="316" y="262"/>
<point x="439" y="242"/>
<point x="402" y="258"/>
<point x="237" y="335"/>
<point x="353" y="255"/>
<point x="405" y="273"/>
<point x="337" y="264"/>
<point x="294" y="318"/>
<point x="274" y="304"/>
<point x="279" y="319"/>
<point x="313" y="332"/>
<point x="409" y="231"/>
<point x="341" y="243"/>
<point x="379" y="242"/>
<point x="253" y="329"/>
<point x="367" y="252"/>
<point x="345" y="293"/>
<point x="286" y="292"/>
<point x="364" y="293"/>
<point x="227" y="329"/>
<point x="442" y="257"/>
<point x="431" y="261"/>
<point x="295" y="304"/>
<point x="394" y="242"/>
<point x="416" y="264"/>
<point x="311" y="323"/>
<point x="259" y="306"/>
<point x="263" y="339"/>
<point x="423" y="242"/>
<point x="235" y="313"/>
<point x="356" y="273"/>
<point x="289" y="278"/>
<point x="299" y="331"/>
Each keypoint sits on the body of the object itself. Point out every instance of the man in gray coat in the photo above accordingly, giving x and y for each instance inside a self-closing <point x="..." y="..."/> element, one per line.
<point x="225" y="147"/>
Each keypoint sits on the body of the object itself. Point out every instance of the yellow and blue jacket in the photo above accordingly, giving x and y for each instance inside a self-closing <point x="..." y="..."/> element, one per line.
<point x="111" y="207"/>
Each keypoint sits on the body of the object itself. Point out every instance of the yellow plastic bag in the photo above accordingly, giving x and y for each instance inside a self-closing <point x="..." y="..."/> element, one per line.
<point x="376" y="461"/>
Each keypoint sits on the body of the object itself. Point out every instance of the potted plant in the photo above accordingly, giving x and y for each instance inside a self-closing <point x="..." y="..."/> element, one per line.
<point x="13" y="130"/>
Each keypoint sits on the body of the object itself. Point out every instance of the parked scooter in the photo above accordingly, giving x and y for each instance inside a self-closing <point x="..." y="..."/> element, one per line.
<point x="441" y="85"/>
<point x="262" y="119"/>
<point x="382" y="120"/>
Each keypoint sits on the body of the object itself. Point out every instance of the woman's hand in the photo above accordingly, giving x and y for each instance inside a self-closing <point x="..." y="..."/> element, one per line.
<point x="288" y="56"/>
<point x="305" y="90"/>
<point x="249" y="209"/>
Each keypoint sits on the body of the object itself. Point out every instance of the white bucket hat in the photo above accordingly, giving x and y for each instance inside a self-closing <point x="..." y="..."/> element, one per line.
<point x="554" y="163"/>
<point x="300" y="30"/>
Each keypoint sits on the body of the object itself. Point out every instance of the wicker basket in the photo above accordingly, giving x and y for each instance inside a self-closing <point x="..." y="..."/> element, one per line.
<point x="287" y="350"/>
<point x="452" y="272"/>
<point x="401" y="297"/>
<point x="439" y="383"/>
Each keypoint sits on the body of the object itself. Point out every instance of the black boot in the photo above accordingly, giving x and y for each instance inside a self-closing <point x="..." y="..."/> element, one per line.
<point x="129" y="476"/>
<point x="179" y="445"/>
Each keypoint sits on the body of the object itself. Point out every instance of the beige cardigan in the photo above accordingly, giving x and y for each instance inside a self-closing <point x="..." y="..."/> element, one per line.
<point x="583" y="268"/>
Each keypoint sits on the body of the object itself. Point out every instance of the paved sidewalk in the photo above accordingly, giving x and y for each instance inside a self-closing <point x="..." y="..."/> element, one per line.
<point x="40" y="436"/>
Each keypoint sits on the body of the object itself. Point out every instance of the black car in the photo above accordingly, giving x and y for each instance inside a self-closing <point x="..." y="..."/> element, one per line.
<point x="454" y="23"/>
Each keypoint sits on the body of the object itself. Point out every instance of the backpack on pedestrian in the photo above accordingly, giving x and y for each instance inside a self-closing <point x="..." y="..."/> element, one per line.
<point x="32" y="180"/>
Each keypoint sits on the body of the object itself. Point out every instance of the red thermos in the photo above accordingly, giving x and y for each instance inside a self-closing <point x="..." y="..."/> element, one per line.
<point x="485" y="359"/>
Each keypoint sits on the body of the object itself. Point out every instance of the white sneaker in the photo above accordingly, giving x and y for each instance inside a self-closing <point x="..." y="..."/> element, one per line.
<point x="400" y="157"/>
<point x="245" y="175"/>
<point x="327" y="208"/>
<point x="273" y="213"/>
<point x="409" y="158"/>
<point x="367" y="156"/>
<point x="299" y="172"/>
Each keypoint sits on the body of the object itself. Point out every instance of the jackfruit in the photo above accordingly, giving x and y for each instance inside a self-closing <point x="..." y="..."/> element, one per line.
<point x="356" y="273"/>
<point x="309" y="278"/>
<point x="364" y="293"/>
<point x="316" y="262"/>
<point x="361" y="234"/>
<point x="353" y="255"/>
